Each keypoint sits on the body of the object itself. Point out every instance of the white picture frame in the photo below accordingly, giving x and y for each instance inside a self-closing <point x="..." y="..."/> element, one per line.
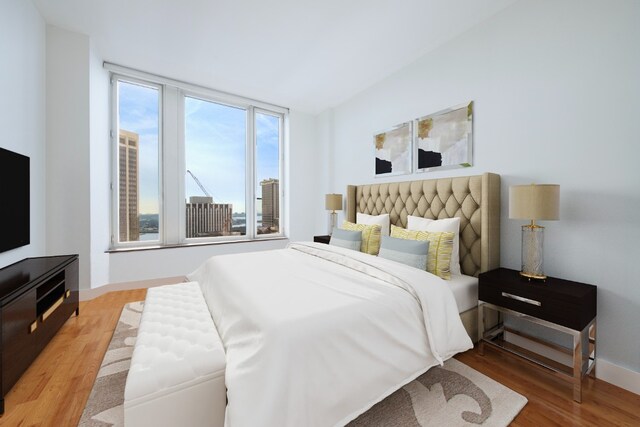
<point x="393" y="151"/>
<point x="444" y="140"/>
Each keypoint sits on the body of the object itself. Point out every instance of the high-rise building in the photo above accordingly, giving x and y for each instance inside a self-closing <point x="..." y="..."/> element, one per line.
<point x="270" y="204"/>
<point x="129" y="194"/>
<point x="205" y="218"/>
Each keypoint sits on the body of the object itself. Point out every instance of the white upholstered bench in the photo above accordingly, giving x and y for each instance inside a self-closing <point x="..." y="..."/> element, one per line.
<point x="178" y="363"/>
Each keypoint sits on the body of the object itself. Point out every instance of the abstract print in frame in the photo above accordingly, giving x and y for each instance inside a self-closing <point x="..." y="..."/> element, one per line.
<point x="444" y="139"/>
<point x="393" y="150"/>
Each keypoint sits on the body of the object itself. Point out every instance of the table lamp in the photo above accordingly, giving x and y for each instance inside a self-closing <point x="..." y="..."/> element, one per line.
<point x="533" y="202"/>
<point x="333" y="202"/>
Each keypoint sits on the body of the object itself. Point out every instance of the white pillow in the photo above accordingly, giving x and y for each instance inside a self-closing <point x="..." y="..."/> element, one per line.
<point x="417" y="223"/>
<point x="381" y="220"/>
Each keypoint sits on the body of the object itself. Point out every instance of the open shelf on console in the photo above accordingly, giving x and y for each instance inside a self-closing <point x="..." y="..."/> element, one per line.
<point x="49" y="295"/>
<point x="49" y="285"/>
<point x="50" y="300"/>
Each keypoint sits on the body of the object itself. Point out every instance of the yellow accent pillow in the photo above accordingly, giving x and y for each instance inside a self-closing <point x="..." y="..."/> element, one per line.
<point x="370" y="236"/>
<point x="440" y="248"/>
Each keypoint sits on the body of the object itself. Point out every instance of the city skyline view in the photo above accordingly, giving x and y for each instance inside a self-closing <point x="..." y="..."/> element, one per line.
<point x="215" y="143"/>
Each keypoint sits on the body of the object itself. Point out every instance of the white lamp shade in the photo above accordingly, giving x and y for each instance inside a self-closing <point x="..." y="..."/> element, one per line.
<point x="534" y="202"/>
<point x="333" y="202"/>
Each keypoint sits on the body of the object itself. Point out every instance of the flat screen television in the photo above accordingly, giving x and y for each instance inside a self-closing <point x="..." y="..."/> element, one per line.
<point x="14" y="200"/>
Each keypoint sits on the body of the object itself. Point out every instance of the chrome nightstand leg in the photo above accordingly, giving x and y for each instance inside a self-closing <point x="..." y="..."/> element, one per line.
<point x="592" y="349"/>
<point x="481" y="327"/>
<point x="577" y="366"/>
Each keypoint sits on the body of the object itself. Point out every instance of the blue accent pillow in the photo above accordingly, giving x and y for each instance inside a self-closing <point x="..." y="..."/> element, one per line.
<point x="411" y="252"/>
<point x="346" y="239"/>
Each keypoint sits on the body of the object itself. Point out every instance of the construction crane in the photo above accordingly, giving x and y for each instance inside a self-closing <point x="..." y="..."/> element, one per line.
<point x="204" y="190"/>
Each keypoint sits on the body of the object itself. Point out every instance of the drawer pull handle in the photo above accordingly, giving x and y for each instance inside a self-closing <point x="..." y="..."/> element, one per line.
<point x="53" y="308"/>
<point x="523" y="299"/>
<point x="67" y="294"/>
<point x="33" y="326"/>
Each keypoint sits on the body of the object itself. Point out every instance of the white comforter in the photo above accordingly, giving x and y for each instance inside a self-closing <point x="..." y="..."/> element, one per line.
<point x="315" y="335"/>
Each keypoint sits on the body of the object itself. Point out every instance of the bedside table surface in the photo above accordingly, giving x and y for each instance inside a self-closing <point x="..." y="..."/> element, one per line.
<point x="559" y="288"/>
<point x="563" y="302"/>
<point x="322" y="239"/>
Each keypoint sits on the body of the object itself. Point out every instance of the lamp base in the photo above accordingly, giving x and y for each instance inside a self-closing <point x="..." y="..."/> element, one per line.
<point x="533" y="276"/>
<point x="334" y="220"/>
<point x="532" y="240"/>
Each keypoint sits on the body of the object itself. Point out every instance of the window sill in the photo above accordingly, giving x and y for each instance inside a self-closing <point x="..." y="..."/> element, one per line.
<point x="190" y="245"/>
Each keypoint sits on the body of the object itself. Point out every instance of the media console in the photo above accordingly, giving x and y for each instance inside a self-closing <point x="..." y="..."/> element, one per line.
<point x="37" y="296"/>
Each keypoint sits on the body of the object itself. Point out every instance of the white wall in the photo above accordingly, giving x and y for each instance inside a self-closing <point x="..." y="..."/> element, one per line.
<point x="556" y="92"/>
<point x="22" y="108"/>
<point x="99" y="168"/>
<point x="302" y="177"/>
<point x="326" y="146"/>
<point x="68" y="202"/>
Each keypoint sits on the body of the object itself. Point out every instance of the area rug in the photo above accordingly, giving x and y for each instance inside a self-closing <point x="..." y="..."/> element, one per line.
<point x="451" y="395"/>
<point x="104" y="407"/>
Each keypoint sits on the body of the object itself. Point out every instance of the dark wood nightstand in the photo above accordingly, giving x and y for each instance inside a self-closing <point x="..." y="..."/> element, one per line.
<point x="322" y="239"/>
<point x="557" y="304"/>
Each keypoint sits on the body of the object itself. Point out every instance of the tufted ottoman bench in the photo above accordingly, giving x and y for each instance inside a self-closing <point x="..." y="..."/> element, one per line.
<point x="178" y="363"/>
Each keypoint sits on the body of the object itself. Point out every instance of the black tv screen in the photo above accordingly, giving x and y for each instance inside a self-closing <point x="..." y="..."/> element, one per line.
<point x="14" y="200"/>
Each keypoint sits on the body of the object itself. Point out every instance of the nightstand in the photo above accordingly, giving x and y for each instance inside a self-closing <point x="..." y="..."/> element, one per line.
<point x="562" y="306"/>
<point x="322" y="239"/>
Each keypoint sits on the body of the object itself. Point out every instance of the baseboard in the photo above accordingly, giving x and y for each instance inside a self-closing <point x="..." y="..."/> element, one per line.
<point x="87" y="294"/>
<point x="618" y="376"/>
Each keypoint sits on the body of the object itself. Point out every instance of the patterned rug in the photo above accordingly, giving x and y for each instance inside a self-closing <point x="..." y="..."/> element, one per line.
<point x="451" y="395"/>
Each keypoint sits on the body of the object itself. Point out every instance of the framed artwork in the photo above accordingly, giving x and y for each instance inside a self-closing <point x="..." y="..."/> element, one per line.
<point x="393" y="150"/>
<point x="444" y="140"/>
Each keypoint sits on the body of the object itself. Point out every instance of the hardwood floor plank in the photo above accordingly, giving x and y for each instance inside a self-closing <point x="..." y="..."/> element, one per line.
<point x="55" y="388"/>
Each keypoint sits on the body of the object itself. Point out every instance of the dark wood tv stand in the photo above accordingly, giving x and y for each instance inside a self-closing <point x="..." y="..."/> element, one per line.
<point x="37" y="296"/>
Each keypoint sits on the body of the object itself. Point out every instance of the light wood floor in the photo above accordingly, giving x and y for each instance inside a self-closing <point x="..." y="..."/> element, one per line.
<point x="55" y="388"/>
<point x="551" y="398"/>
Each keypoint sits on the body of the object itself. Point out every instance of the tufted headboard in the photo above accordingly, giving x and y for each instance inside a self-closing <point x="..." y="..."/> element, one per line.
<point x="474" y="199"/>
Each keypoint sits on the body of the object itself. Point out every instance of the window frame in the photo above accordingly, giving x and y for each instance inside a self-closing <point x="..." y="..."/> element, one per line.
<point x="182" y="166"/>
<point x="281" y="183"/>
<point x="171" y="139"/>
<point x="115" y="175"/>
<point x="250" y="168"/>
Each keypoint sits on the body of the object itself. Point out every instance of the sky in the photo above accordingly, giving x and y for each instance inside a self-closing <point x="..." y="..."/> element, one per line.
<point x="138" y="110"/>
<point x="215" y="140"/>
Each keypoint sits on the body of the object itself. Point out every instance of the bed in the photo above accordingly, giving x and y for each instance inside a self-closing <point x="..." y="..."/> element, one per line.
<point x="315" y="335"/>
<point x="473" y="199"/>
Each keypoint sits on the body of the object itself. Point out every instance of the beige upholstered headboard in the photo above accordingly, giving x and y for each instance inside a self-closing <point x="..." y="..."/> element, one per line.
<point x="474" y="199"/>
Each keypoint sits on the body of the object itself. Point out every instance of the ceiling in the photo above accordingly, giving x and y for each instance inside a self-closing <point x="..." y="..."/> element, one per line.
<point x="306" y="55"/>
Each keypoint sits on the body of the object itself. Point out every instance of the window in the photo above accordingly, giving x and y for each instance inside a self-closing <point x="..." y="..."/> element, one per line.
<point x="267" y="173"/>
<point x="215" y="158"/>
<point x="193" y="165"/>
<point x="138" y="186"/>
